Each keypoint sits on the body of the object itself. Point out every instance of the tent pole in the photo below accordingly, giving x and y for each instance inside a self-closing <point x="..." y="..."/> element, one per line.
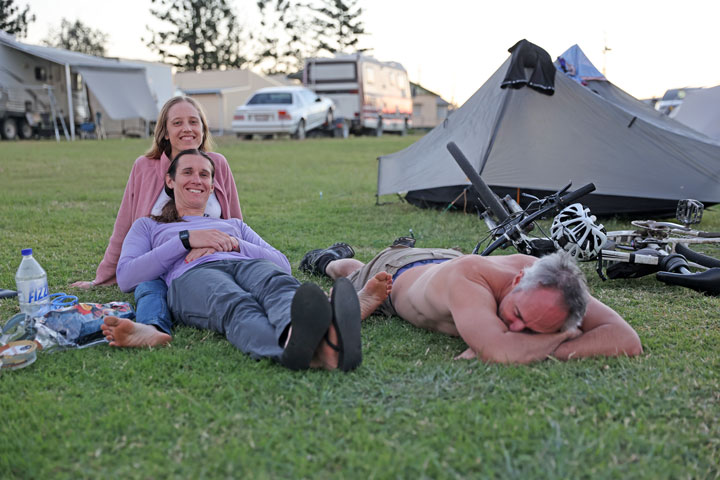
<point x="71" y="113"/>
<point x="496" y="127"/>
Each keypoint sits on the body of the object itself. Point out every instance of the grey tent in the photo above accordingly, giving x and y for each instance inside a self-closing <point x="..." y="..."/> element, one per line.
<point x="521" y="140"/>
<point x="701" y="110"/>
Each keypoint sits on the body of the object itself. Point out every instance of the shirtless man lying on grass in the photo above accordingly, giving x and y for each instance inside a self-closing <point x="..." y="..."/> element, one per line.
<point x="508" y="309"/>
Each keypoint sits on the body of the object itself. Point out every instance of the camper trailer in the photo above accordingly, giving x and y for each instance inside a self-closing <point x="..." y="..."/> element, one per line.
<point x="32" y="88"/>
<point x="45" y="89"/>
<point x="27" y="108"/>
<point x="372" y="96"/>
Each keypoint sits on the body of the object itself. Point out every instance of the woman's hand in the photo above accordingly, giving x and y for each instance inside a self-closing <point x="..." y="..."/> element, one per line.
<point x="196" y="253"/>
<point x="84" y="285"/>
<point x="215" y="239"/>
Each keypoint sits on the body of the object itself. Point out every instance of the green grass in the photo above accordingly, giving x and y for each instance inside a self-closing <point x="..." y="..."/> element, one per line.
<point x="201" y="409"/>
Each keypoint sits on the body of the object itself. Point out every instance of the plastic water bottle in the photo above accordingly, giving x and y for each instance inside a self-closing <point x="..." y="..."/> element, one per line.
<point x="32" y="285"/>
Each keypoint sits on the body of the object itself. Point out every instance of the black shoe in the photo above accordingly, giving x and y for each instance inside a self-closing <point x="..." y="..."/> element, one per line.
<point x="311" y="316"/>
<point x="315" y="261"/>
<point x="404" y="241"/>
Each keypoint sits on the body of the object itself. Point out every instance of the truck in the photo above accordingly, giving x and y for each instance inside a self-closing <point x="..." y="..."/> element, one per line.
<point x="371" y="96"/>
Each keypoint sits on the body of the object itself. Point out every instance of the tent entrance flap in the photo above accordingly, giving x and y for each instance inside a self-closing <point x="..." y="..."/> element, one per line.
<point x="124" y="94"/>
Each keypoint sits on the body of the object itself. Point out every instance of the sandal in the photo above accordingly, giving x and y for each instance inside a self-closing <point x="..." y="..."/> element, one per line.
<point x="346" y="320"/>
<point x="310" y="315"/>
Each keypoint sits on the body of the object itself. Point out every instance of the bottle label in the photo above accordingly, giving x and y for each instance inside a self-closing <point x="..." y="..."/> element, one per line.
<point x="36" y="292"/>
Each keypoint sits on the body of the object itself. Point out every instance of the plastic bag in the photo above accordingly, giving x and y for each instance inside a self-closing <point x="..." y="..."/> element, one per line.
<point x="60" y="328"/>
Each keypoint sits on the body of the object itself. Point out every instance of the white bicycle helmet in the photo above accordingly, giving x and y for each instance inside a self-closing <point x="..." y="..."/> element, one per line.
<point x="576" y="231"/>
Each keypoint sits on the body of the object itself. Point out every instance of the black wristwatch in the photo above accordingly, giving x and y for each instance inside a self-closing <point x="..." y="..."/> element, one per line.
<point x="185" y="239"/>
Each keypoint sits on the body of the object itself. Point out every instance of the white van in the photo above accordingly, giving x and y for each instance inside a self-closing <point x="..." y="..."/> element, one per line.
<point x="372" y="96"/>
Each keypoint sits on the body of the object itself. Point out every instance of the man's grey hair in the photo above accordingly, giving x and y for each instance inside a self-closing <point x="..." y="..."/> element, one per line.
<point x="560" y="271"/>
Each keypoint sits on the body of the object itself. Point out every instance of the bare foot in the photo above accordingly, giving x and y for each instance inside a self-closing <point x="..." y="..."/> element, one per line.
<point x="83" y="285"/>
<point x="121" y="332"/>
<point x="325" y="356"/>
<point x="375" y="291"/>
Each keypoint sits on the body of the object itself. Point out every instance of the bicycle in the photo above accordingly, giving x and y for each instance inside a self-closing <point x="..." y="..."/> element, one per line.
<point x="575" y="230"/>
<point x="511" y="224"/>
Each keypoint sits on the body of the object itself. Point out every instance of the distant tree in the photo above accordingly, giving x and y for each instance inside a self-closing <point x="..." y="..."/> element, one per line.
<point x="337" y="25"/>
<point x="14" y="20"/>
<point x="203" y="34"/>
<point x="78" y="37"/>
<point x="285" y="36"/>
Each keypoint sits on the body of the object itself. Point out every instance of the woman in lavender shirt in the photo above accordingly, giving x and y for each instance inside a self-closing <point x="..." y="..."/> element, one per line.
<point x="231" y="282"/>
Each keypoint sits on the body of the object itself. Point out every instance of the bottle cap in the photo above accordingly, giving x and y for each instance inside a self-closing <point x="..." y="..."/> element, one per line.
<point x="26" y="251"/>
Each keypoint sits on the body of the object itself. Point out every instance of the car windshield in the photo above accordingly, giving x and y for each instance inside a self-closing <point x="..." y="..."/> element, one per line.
<point x="275" y="98"/>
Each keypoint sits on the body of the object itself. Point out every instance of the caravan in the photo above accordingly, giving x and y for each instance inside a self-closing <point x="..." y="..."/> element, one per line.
<point x="372" y="96"/>
<point x="41" y="86"/>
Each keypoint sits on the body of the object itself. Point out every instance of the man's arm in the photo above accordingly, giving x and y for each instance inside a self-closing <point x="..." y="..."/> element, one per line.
<point x="474" y="312"/>
<point x="605" y="333"/>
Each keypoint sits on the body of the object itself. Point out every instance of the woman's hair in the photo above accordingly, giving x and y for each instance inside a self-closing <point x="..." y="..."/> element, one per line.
<point x="559" y="271"/>
<point x="169" y="213"/>
<point x="161" y="144"/>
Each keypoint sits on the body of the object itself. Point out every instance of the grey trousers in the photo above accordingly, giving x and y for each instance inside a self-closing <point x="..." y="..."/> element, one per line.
<point x="248" y="301"/>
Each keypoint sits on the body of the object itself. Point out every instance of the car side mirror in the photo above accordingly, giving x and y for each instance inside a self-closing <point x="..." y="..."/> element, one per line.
<point x="317" y="99"/>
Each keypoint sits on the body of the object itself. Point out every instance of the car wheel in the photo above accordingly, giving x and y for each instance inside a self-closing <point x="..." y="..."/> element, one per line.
<point x="26" y="131"/>
<point x="379" y="129"/>
<point x="300" y="132"/>
<point x="9" y="129"/>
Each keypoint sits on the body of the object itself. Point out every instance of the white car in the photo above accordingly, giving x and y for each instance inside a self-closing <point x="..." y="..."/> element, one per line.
<point x="292" y="110"/>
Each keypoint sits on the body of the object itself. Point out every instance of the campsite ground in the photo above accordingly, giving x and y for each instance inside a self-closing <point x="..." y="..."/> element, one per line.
<point x="199" y="408"/>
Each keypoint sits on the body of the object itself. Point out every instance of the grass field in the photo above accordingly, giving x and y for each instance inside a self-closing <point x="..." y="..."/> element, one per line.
<point x="201" y="409"/>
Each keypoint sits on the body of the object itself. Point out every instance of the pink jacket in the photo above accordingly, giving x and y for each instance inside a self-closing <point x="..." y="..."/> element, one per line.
<point x="147" y="178"/>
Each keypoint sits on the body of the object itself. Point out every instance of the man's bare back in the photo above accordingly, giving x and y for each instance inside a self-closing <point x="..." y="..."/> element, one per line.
<point x="421" y="294"/>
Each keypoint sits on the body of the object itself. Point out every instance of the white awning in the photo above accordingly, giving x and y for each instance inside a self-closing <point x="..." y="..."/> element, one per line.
<point x="122" y="93"/>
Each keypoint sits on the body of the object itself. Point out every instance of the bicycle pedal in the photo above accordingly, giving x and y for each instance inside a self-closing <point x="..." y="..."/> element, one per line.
<point x="689" y="211"/>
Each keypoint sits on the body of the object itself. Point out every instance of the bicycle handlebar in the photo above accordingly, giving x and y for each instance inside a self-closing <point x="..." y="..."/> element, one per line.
<point x="555" y="204"/>
<point x="572" y="196"/>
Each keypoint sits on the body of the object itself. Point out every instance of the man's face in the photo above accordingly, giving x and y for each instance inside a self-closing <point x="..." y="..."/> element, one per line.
<point x="541" y="310"/>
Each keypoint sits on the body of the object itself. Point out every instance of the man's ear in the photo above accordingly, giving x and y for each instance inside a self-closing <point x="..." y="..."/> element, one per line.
<point x="517" y="326"/>
<point x="169" y="181"/>
<point x="517" y="278"/>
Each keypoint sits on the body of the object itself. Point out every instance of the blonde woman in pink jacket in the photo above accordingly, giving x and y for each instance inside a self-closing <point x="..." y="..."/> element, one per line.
<point x="181" y="125"/>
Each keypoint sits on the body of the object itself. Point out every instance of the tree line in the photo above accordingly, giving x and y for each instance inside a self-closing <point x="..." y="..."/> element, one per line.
<point x="207" y="34"/>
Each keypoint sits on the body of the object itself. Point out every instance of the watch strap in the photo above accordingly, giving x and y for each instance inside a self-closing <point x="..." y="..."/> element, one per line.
<point x="185" y="239"/>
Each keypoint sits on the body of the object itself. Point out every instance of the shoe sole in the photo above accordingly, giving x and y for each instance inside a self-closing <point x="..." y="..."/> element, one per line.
<point x="311" y="316"/>
<point x="346" y="319"/>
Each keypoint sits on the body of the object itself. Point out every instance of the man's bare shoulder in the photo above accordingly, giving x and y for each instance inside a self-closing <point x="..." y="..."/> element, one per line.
<point x="492" y="272"/>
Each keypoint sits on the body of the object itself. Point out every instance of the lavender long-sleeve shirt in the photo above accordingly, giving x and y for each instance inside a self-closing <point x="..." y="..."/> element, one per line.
<point x="153" y="249"/>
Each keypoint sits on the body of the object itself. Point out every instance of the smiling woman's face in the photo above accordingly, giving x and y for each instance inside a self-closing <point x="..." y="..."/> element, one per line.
<point x="184" y="128"/>
<point x="192" y="185"/>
